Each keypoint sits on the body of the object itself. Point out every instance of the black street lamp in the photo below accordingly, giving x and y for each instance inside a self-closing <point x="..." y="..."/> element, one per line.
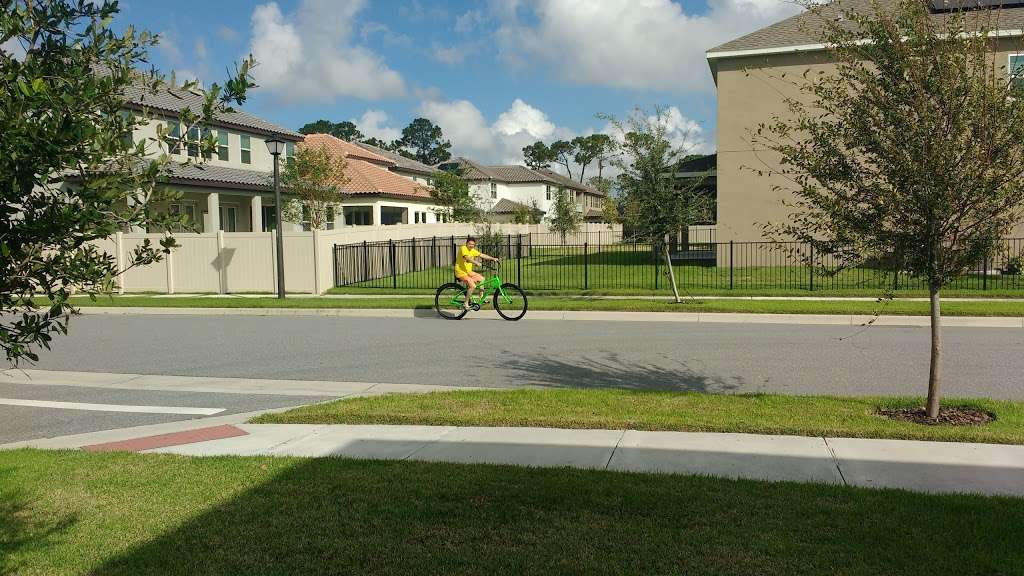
<point x="276" y="147"/>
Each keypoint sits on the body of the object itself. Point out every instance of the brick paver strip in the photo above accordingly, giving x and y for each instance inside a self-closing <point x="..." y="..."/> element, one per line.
<point x="165" y="440"/>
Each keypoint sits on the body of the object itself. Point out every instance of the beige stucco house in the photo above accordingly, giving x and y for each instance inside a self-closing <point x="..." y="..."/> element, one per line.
<point x="753" y="75"/>
<point x="232" y="191"/>
<point x="499" y="188"/>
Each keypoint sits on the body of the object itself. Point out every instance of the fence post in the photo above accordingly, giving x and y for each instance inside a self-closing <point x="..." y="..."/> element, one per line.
<point x="586" y="267"/>
<point x="433" y="252"/>
<point x="984" y="275"/>
<point x="453" y="250"/>
<point x="414" y="268"/>
<point x="657" y="275"/>
<point x="222" y="273"/>
<point x="519" y="261"/>
<point x="394" y="276"/>
<point x="334" y="261"/>
<point x="812" y="267"/>
<point x="509" y="253"/>
<point x="366" y="261"/>
<point x="732" y="252"/>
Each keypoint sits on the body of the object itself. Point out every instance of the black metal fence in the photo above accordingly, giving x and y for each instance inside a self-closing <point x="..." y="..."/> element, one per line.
<point x="710" y="266"/>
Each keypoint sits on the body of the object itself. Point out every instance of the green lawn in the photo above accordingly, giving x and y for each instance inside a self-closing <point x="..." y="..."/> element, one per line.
<point x="130" y="514"/>
<point x="682" y="411"/>
<point x="625" y="268"/>
<point x="425" y="302"/>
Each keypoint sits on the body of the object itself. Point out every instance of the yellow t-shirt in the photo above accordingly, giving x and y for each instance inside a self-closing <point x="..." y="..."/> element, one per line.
<point x="463" y="266"/>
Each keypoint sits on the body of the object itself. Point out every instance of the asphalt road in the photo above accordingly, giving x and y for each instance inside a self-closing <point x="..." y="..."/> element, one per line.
<point x="19" y="423"/>
<point x="633" y="355"/>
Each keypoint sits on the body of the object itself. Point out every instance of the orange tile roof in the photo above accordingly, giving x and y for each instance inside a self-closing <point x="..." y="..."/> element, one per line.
<point x="367" y="172"/>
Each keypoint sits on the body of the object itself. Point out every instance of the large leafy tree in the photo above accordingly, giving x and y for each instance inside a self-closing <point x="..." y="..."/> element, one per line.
<point x="70" y="174"/>
<point x="315" y="180"/>
<point x="657" y="207"/>
<point x="538" y="156"/>
<point x="452" y="195"/>
<point x="346" y="130"/>
<point x="593" y="148"/>
<point x="911" y="152"/>
<point x="423" y="140"/>
<point x="563" y="152"/>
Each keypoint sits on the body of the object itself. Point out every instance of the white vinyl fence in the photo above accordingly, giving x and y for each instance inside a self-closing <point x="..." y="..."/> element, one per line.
<point x="241" y="262"/>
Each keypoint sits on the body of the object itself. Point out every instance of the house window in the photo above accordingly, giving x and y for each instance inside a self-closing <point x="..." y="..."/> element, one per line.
<point x="173" y="137"/>
<point x="289" y="153"/>
<point x="547" y="191"/>
<point x="229" y="218"/>
<point x="126" y="135"/>
<point x="192" y="142"/>
<point x="494" y="190"/>
<point x="1017" y="70"/>
<point x="222" y="145"/>
<point x="246" y="147"/>
<point x="186" y="208"/>
<point x="358" y="215"/>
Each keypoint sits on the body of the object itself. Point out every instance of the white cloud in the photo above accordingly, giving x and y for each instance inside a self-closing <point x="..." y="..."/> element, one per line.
<point x="634" y="44"/>
<point x="309" y="55"/>
<point x="373" y="123"/>
<point x="500" y="142"/>
<point x="522" y="117"/>
<point x="184" y="68"/>
<point x="469" y="21"/>
<point x="449" y="54"/>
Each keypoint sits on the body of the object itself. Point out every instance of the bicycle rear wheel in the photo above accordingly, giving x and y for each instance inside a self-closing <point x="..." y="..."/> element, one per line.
<point x="511" y="306"/>
<point x="448" y="301"/>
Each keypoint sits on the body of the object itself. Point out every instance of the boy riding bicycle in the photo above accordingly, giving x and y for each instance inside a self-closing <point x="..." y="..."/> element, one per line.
<point x="466" y="257"/>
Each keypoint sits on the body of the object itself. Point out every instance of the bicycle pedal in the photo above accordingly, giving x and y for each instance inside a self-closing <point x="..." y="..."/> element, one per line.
<point x="475" y="307"/>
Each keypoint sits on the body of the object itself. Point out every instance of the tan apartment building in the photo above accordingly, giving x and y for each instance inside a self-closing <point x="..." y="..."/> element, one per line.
<point x="753" y="75"/>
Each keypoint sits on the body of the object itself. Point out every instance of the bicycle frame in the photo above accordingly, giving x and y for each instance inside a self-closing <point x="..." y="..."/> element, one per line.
<point x="489" y="287"/>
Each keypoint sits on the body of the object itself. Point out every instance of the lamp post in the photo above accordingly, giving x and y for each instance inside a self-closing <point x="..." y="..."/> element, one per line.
<point x="276" y="146"/>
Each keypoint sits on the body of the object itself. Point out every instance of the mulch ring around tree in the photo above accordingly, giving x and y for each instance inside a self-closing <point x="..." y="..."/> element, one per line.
<point x="947" y="416"/>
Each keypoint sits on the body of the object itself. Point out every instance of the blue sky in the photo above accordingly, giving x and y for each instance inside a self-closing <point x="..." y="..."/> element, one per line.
<point x="495" y="74"/>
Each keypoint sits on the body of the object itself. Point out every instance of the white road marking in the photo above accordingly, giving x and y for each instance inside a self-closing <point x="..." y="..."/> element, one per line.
<point x="112" y="407"/>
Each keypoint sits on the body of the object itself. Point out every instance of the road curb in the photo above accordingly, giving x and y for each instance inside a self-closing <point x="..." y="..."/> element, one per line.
<point x="603" y="316"/>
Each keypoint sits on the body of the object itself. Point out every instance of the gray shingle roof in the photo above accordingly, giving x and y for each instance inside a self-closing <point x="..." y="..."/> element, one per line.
<point x="803" y="29"/>
<point x="516" y="174"/>
<point x="174" y="100"/>
<point x="401" y="162"/>
<point x="220" y="176"/>
<point x="506" y="206"/>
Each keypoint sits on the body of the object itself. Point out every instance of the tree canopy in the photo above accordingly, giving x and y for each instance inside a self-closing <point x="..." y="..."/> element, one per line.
<point x="345" y="130"/>
<point x="71" y="173"/>
<point x="422" y="140"/>
<point x="910" y="153"/>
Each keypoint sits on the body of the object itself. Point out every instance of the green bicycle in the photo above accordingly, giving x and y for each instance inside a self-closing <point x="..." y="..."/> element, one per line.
<point x="509" y="299"/>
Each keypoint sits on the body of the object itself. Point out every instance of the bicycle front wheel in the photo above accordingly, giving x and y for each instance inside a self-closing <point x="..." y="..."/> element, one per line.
<point x="448" y="301"/>
<point x="510" y="302"/>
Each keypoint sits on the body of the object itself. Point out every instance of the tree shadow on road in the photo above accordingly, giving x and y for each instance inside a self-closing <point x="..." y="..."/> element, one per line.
<point x="611" y="370"/>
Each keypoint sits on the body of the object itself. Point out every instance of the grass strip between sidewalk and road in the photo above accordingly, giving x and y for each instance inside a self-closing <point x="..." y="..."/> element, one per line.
<point x="843" y="307"/>
<point x="147" y="514"/>
<point x="679" y="411"/>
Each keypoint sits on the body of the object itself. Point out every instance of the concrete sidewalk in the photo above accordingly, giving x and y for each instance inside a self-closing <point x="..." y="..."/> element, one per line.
<point x="919" y="466"/>
<point x="685" y="317"/>
<point x="357" y="296"/>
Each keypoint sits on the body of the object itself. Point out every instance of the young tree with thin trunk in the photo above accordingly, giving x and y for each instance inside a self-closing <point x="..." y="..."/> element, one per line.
<point x="657" y="207"/>
<point x="316" y="181"/>
<point x="910" y="152"/>
<point x="564" y="218"/>
<point x="454" y="200"/>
